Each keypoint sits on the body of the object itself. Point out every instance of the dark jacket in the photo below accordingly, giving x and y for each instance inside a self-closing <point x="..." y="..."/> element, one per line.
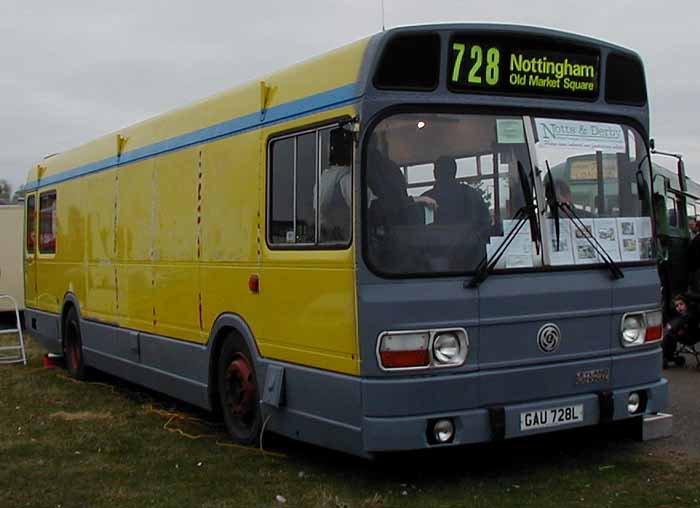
<point x="461" y="204"/>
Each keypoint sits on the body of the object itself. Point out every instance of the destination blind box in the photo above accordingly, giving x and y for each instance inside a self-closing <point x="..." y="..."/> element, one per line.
<point x="515" y="67"/>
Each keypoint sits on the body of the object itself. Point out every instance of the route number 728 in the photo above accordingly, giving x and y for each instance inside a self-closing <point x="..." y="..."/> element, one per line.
<point x="478" y="72"/>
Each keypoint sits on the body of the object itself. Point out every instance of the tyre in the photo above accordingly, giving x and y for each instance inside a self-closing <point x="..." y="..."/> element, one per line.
<point x="679" y="360"/>
<point x="73" y="346"/>
<point x="238" y="391"/>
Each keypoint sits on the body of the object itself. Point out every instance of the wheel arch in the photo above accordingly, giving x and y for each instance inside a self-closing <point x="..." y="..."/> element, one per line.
<point x="229" y="323"/>
<point x="70" y="301"/>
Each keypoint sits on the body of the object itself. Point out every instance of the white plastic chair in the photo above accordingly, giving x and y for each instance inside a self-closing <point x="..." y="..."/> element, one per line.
<point x="13" y="354"/>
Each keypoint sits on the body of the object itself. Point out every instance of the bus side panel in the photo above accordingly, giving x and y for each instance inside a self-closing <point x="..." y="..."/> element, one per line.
<point x="229" y="227"/>
<point x="100" y="302"/>
<point x="135" y="225"/>
<point x="175" y="269"/>
<point x="313" y="306"/>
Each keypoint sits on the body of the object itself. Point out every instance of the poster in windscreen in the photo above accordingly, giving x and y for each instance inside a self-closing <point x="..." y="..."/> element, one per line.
<point x="624" y="239"/>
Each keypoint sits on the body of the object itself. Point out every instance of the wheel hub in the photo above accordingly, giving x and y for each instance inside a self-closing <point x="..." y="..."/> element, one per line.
<point x="240" y="387"/>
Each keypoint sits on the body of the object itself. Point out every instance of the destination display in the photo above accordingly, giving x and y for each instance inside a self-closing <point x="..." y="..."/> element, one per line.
<point x="480" y="65"/>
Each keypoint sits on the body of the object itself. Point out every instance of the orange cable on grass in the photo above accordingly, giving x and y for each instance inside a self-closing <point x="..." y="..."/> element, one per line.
<point x="174" y="415"/>
<point x="97" y="383"/>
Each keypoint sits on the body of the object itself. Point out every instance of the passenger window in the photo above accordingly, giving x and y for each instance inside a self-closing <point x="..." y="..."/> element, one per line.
<point x="302" y="212"/>
<point x="31" y="224"/>
<point x="47" y="223"/>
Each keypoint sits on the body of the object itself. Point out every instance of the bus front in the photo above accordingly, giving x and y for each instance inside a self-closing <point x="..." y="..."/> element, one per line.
<point x="498" y="296"/>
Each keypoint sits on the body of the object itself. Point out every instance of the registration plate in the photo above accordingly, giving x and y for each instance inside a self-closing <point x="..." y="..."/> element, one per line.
<point x="551" y="417"/>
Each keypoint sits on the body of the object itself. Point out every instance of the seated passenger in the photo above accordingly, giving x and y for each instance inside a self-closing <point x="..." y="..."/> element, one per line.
<point x="335" y="196"/>
<point x="458" y="203"/>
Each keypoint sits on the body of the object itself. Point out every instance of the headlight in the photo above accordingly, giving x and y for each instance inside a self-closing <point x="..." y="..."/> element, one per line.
<point x="633" y="329"/>
<point x="449" y="349"/>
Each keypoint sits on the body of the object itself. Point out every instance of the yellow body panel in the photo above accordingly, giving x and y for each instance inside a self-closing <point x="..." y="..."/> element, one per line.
<point x="166" y="244"/>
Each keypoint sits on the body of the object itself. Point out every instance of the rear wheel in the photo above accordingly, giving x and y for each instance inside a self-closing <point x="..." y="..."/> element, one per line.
<point x="238" y="391"/>
<point x="73" y="345"/>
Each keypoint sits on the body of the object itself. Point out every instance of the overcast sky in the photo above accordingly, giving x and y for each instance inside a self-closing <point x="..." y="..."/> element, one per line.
<point x="73" y="70"/>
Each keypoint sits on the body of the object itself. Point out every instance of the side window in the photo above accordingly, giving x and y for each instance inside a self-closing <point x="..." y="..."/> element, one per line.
<point x="31" y="224"/>
<point x="303" y="212"/>
<point x="47" y="222"/>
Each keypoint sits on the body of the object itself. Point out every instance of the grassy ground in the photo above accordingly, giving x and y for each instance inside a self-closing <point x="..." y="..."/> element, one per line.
<point x="111" y="444"/>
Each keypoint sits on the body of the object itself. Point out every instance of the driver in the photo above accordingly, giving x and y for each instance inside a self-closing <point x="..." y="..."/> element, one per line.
<point x="458" y="203"/>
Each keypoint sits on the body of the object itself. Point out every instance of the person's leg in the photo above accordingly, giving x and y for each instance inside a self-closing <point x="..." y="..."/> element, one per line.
<point x="669" y="346"/>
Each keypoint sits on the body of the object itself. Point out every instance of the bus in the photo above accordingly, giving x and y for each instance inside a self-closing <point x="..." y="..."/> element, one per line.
<point x="361" y="251"/>
<point x="675" y="204"/>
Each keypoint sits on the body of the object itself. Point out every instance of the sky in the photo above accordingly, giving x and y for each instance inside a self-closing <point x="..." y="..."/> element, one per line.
<point x="75" y="70"/>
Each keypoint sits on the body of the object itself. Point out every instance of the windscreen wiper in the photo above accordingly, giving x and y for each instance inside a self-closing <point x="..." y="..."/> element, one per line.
<point x="527" y="212"/>
<point x="555" y="206"/>
<point x="551" y="195"/>
<point x="487" y="265"/>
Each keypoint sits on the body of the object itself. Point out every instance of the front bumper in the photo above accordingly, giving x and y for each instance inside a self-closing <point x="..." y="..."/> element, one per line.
<point x="492" y="423"/>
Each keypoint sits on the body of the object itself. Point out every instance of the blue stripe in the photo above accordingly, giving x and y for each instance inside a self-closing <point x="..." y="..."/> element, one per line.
<point x="308" y="105"/>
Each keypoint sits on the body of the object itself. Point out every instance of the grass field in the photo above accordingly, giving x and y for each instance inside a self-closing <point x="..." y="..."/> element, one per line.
<point x="111" y="444"/>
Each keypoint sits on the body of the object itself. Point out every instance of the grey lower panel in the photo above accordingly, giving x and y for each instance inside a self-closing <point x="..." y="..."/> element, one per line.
<point x="324" y="394"/>
<point x="637" y="367"/>
<point x="43" y="326"/>
<point x="183" y="359"/>
<point x="176" y="368"/>
<point x="385" y="397"/>
<point x="474" y="426"/>
<point x="318" y="407"/>
<point x="165" y="382"/>
<point x="316" y="430"/>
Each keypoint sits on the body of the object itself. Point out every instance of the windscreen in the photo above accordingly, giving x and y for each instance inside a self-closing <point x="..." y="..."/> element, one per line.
<point x="444" y="191"/>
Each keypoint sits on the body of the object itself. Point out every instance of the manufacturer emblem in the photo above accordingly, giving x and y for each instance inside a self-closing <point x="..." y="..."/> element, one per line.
<point x="548" y="338"/>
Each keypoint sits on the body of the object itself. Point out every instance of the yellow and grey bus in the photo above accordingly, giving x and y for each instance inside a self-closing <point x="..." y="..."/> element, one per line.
<point x="367" y="251"/>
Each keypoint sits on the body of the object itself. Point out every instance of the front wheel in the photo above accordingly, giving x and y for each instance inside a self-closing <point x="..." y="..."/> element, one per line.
<point x="238" y="392"/>
<point x="73" y="346"/>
